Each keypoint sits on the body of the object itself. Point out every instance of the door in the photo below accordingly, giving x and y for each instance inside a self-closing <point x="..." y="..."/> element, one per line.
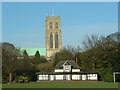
<point x="51" y="77"/>
<point x="84" y="77"/>
<point x="68" y="77"/>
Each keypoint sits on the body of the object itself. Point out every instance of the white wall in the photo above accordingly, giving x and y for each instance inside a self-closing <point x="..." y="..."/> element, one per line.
<point x="84" y="77"/>
<point x="75" y="70"/>
<point x="59" y="77"/>
<point x="61" y="70"/>
<point x="58" y="70"/>
<point x="51" y="77"/>
<point x="67" y="68"/>
<point x="76" y="77"/>
<point x="92" y="77"/>
<point x="67" y="77"/>
<point x="43" y="77"/>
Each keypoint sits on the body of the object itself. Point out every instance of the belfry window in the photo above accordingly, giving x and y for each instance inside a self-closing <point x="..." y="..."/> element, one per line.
<point x="56" y="40"/>
<point x="56" y="25"/>
<point x="51" y="40"/>
<point x="51" y="25"/>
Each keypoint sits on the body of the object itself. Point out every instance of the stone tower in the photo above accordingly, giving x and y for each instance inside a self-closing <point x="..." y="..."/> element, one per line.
<point x="53" y="36"/>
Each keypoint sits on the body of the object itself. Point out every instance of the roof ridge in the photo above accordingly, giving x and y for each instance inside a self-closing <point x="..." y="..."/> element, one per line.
<point x="71" y="62"/>
<point x="59" y="63"/>
<point x="75" y="63"/>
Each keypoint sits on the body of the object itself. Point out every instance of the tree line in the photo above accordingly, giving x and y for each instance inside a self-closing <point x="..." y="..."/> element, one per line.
<point x="100" y="54"/>
<point x="16" y="64"/>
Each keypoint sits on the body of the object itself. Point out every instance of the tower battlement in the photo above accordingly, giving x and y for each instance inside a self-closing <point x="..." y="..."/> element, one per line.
<point x="53" y="17"/>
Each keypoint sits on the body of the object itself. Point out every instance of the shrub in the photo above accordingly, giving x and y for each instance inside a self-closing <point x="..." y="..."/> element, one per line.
<point x="26" y="79"/>
<point x="106" y="74"/>
<point x="43" y="60"/>
<point x="23" y="79"/>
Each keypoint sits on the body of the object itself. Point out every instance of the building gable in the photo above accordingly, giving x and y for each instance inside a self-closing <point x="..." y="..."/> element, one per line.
<point x="68" y="62"/>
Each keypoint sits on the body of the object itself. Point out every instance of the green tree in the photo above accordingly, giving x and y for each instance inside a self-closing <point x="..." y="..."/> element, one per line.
<point x="36" y="59"/>
<point x="56" y="60"/>
<point x="25" y="53"/>
<point x="100" y="53"/>
<point x="65" y="54"/>
<point x="26" y="68"/>
<point x="43" y="60"/>
<point x="25" y="64"/>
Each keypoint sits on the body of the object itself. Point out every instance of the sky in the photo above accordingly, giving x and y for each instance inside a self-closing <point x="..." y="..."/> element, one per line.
<point x="23" y="23"/>
<point x="0" y="21"/>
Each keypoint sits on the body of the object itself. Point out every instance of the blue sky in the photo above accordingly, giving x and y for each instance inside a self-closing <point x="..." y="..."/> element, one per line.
<point x="0" y="21"/>
<point x="24" y="23"/>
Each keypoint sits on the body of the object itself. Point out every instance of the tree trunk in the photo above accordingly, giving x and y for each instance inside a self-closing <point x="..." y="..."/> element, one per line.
<point x="10" y="77"/>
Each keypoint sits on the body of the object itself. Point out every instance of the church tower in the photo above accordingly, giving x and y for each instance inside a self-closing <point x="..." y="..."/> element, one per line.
<point x="53" y="35"/>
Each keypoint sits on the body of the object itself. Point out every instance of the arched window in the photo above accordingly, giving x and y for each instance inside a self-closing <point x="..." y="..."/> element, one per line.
<point x="56" y="40"/>
<point x="51" y="40"/>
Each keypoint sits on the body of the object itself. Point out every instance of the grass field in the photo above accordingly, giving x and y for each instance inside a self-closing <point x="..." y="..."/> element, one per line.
<point x="62" y="85"/>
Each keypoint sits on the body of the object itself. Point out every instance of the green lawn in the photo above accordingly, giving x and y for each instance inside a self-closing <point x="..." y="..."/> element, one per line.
<point x="62" y="85"/>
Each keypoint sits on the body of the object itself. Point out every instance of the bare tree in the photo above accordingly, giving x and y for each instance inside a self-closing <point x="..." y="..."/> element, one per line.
<point x="10" y="60"/>
<point x="90" y="42"/>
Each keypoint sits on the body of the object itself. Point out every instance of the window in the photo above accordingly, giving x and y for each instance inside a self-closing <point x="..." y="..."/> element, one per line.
<point x="94" y="75"/>
<point x="51" y="40"/>
<point x="67" y="68"/>
<point x="56" y="25"/>
<point x="51" y="25"/>
<point x="56" y="40"/>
